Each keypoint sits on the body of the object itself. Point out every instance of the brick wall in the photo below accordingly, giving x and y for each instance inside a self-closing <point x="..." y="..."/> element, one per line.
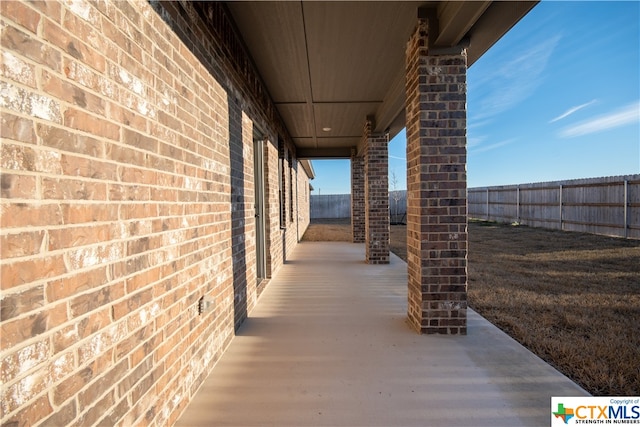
<point x="243" y="227"/>
<point x="436" y="188"/>
<point x="376" y="195"/>
<point x="357" y="199"/>
<point x="127" y="195"/>
<point x="207" y="30"/>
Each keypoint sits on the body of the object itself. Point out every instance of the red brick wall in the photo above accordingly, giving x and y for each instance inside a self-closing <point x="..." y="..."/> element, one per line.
<point x="436" y="188"/>
<point x="376" y="196"/>
<point x="127" y="195"/>
<point x="357" y="199"/>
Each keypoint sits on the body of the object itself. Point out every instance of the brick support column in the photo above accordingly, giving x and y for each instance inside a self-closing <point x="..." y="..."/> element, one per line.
<point x="436" y="188"/>
<point x="376" y="187"/>
<point x="357" y="199"/>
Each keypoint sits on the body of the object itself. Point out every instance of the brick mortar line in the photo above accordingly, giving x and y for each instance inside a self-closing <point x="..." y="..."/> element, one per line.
<point x="16" y="200"/>
<point x="63" y="251"/>
<point x="107" y="182"/>
<point x="81" y="202"/>
<point x="59" y="203"/>
<point x="54" y="252"/>
<point x="107" y="242"/>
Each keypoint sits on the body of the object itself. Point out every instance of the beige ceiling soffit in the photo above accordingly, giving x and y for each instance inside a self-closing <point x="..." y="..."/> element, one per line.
<point x="310" y="88"/>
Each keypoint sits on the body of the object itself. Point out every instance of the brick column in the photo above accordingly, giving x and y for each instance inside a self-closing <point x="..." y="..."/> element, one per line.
<point x="436" y="188"/>
<point x="376" y="188"/>
<point x="357" y="198"/>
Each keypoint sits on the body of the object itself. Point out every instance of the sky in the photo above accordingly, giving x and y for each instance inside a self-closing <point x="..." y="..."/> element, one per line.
<point x="558" y="97"/>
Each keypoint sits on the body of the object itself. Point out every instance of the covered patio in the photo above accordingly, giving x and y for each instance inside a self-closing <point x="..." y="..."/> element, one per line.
<point x="328" y="344"/>
<point x="346" y="77"/>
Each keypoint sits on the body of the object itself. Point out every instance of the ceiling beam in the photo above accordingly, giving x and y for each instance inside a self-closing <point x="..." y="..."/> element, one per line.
<point x="456" y="19"/>
<point x="324" y="153"/>
<point x="392" y="106"/>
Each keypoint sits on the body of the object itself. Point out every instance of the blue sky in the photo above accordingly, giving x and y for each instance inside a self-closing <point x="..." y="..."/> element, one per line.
<point x="558" y="97"/>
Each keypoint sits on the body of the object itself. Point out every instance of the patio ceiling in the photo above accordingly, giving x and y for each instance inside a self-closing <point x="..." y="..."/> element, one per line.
<point x="330" y="65"/>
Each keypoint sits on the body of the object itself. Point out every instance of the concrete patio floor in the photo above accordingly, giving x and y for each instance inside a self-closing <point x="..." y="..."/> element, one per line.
<point x="328" y="345"/>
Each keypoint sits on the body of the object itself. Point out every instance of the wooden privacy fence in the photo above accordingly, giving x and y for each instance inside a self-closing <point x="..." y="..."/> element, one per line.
<point x="330" y="206"/>
<point x="609" y="205"/>
<point x="339" y="205"/>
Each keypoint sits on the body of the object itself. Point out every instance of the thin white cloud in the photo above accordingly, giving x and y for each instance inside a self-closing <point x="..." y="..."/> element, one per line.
<point x="572" y="110"/>
<point x="478" y="123"/>
<point x="514" y="81"/>
<point x="474" y="141"/>
<point x="396" y="157"/>
<point x="627" y="115"/>
<point x="492" y="146"/>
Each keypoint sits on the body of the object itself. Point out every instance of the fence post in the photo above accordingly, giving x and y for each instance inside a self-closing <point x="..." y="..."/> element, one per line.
<point x="626" y="208"/>
<point x="518" y="203"/>
<point x="561" y="228"/>
<point x="488" y="204"/>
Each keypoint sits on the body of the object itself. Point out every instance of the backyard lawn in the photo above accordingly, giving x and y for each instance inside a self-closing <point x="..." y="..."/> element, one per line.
<point x="571" y="298"/>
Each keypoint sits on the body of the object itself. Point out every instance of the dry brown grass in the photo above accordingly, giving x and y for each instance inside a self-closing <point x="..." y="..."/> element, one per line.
<point x="328" y="230"/>
<point x="571" y="298"/>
